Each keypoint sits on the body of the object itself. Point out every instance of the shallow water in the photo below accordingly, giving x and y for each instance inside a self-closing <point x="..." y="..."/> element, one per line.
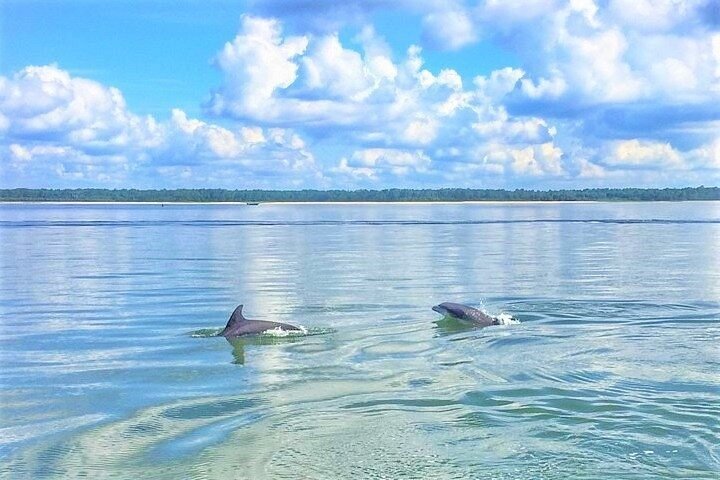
<point x="612" y="371"/>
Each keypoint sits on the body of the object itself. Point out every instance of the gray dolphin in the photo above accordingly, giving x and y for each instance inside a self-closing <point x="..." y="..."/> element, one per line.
<point x="466" y="314"/>
<point x="239" y="326"/>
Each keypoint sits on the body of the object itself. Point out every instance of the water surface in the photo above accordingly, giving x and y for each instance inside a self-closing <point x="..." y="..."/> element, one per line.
<point x="612" y="372"/>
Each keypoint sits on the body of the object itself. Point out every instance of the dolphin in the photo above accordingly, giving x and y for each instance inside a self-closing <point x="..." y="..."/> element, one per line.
<point x="466" y="314"/>
<point x="239" y="326"/>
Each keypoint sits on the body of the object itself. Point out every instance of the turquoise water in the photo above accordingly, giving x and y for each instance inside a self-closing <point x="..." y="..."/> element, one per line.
<point x="612" y="372"/>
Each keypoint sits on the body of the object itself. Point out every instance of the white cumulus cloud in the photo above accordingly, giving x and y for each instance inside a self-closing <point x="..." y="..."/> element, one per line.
<point x="594" y="91"/>
<point x="76" y="129"/>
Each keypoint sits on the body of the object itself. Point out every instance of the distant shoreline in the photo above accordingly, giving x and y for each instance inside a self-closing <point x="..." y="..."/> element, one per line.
<point x="393" y="195"/>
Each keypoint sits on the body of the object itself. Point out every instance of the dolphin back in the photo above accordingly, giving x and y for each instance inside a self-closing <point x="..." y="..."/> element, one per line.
<point x="238" y="325"/>
<point x="470" y="314"/>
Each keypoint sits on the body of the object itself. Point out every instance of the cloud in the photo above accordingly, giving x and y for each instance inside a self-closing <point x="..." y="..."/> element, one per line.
<point x="446" y="25"/>
<point x="589" y="170"/>
<point x="75" y="129"/>
<point x="643" y="154"/>
<point x="376" y="104"/>
<point x="596" y="55"/>
<point x="580" y="51"/>
<point x="400" y="162"/>
<point x="541" y="160"/>
<point x="335" y="71"/>
<point x="62" y="163"/>
<point x="344" y="169"/>
<point x="592" y="83"/>
<point x="45" y="101"/>
<point x="449" y="28"/>
<point x="382" y="164"/>
<point x="294" y="79"/>
<point x="322" y="16"/>
<point x="630" y="85"/>
<point x="653" y="155"/>
<point x="257" y="63"/>
<point x="661" y="16"/>
<point x="706" y="157"/>
<point x="598" y="92"/>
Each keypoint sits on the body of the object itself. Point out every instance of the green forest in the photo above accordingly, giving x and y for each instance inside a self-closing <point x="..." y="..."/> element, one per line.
<point x="388" y="195"/>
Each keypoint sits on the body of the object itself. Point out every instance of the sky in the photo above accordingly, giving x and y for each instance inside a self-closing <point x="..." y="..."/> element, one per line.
<point x="294" y="94"/>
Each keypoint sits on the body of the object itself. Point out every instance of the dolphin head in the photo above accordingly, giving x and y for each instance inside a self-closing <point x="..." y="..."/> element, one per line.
<point x="440" y="309"/>
<point x="452" y="309"/>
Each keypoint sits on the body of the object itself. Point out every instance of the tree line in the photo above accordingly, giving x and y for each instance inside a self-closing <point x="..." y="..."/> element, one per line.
<point x="387" y="195"/>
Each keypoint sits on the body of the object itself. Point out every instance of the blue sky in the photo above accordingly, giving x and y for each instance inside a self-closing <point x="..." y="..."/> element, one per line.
<point x="373" y="94"/>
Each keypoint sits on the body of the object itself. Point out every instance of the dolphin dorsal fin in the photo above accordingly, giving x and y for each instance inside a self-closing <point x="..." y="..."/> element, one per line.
<point x="236" y="317"/>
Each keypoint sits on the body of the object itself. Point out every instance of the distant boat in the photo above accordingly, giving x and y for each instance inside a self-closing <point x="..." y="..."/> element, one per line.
<point x="252" y="203"/>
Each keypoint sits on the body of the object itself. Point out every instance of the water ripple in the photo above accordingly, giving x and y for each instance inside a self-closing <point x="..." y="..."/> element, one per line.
<point x="265" y="223"/>
<point x="111" y="366"/>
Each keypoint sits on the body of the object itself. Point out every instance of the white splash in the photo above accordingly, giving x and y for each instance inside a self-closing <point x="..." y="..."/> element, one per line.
<point x="502" y="317"/>
<point x="279" y="332"/>
<point x="505" y="319"/>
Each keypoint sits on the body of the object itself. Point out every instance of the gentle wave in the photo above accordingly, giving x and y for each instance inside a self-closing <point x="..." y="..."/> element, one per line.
<point x="611" y="374"/>
<point x="273" y="223"/>
<point x="277" y="332"/>
<point x="206" y="332"/>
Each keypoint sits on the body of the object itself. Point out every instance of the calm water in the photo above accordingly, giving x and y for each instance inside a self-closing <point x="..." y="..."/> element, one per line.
<point x="612" y="372"/>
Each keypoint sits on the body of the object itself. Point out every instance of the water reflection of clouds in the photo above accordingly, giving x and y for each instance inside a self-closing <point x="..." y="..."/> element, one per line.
<point x="143" y="287"/>
<point x="64" y="270"/>
<point x="286" y="264"/>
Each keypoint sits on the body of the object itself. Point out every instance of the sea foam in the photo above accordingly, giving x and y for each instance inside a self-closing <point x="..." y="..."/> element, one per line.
<point x="279" y="332"/>
<point x="505" y="319"/>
